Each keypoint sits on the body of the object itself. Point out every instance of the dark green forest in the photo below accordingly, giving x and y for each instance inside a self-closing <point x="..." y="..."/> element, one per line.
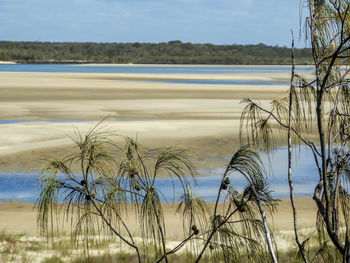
<point x="173" y="52"/>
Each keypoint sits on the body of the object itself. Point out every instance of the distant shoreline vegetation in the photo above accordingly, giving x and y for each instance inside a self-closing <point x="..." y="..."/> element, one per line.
<point x="173" y="52"/>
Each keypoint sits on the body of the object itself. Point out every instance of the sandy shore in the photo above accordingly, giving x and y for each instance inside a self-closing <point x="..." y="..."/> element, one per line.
<point x="19" y="217"/>
<point x="7" y="62"/>
<point x="202" y="117"/>
<point x="21" y="239"/>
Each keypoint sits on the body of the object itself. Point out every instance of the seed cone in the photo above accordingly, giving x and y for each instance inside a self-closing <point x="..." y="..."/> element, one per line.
<point x="87" y="198"/>
<point x="227" y="181"/>
<point x="138" y="187"/>
<point x="242" y="209"/>
<point x="211" y="247"/>
<point x="195" y="230"/>
<point x="223" y="186"/>
<point x="83" y="182"/>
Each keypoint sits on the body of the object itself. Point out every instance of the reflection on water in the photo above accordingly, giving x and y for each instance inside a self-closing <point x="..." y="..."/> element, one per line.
<point x="24" y="187"/>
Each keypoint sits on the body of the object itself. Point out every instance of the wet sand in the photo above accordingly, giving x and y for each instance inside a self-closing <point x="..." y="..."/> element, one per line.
<point x="203" y="117"/>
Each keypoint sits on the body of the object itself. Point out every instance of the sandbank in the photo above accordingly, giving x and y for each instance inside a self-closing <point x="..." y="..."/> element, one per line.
<point x="188" y="65"/>
<point x="200" y="116"/>
<point x="7" y="62"/>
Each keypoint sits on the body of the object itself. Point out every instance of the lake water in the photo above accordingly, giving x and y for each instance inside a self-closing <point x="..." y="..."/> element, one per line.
<point x="24" y="187"/>
<point x="23" y="121"/>
<point x="149" y="69"/>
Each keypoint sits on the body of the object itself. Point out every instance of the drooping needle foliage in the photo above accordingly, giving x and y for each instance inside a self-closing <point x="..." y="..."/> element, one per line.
<point x="240" y="228"/>
<point x="96" y="191"/>
<point x="316" y="113"/>
<point x="97" y="196"/>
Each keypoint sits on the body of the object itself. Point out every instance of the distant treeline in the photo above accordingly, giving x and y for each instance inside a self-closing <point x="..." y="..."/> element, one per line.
<point x="173" y="52"/>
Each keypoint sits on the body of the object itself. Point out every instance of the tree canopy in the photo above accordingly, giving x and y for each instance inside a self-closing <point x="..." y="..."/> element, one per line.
<point x="172" y="52"/>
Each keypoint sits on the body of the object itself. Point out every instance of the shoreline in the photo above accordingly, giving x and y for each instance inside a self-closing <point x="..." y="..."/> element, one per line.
<point x="85" y="63"/>
<point x="18" y="217"/>
<point x="7" y="62"/>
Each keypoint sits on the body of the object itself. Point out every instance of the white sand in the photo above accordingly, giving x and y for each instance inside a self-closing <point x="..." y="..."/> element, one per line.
<point x="7" y="62"/>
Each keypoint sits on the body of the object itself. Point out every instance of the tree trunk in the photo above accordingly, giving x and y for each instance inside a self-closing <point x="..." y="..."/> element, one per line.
<point x="346" y="256"/>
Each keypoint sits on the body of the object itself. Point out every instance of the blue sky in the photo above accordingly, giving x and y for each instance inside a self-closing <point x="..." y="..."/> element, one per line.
<point x="197" y="21"/>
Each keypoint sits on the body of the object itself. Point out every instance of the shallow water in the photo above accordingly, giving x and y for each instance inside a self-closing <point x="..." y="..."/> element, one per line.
<point x="149" y="69"/>
<point x="21" y="121"/>
<point x="75" y="121"/>
<point x="24" y="187"/>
